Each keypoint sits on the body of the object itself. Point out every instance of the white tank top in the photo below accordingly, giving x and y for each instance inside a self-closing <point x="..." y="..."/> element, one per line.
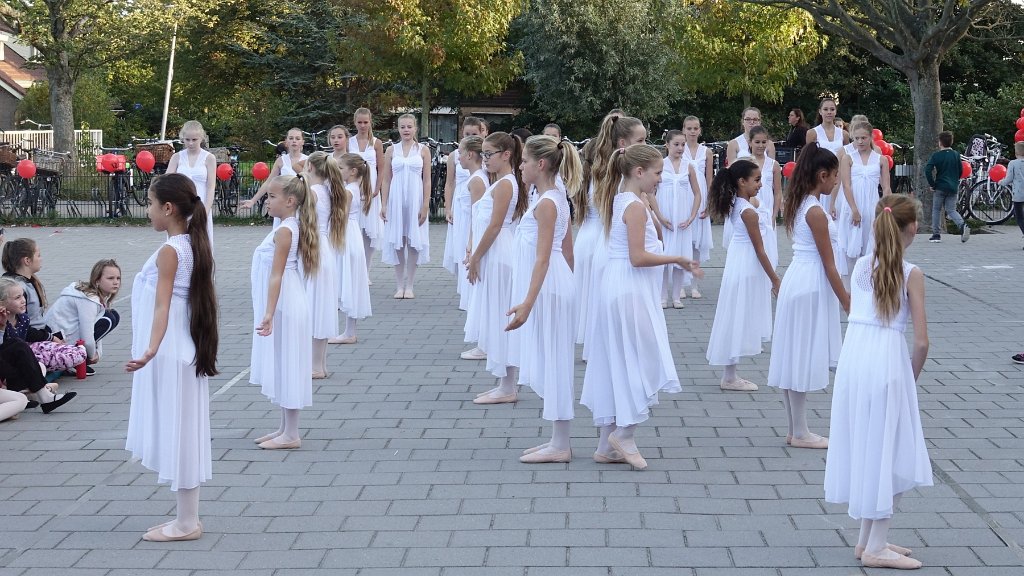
<point x="286" y="165"/>
<point x="742" y="146"/>
<point x="369" y="154"/>
<point x="196" y="172"/>
<point x="833" y="145"/>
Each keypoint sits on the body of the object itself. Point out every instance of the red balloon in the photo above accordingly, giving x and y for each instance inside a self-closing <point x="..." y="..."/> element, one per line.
<point x="891" y="162"/>
<point x="260" y="171"/>
<point x="788" y="168"/>
<point x="1019" y="136"/>
<point x="145" y="161"/>
<point x="1022" y="112"/>
<point x="876" y="134"/>
<point x="1020" y="123"/>
<point x="887" y="149"/>
<point x="224" y="172"/>
<point x="26" y="169"/>
<point x="997" y="172"/>
<point x="965" y="169"/>
<point x="107" y="161"/>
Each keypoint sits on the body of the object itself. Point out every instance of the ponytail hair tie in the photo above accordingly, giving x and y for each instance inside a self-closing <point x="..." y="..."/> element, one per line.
<point x="196" y="199"/>
<point x="621" y="150"/>
<point x="887" y="209"/>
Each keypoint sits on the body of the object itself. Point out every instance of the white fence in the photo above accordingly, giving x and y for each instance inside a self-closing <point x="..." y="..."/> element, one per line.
<point x="43" y="139"/>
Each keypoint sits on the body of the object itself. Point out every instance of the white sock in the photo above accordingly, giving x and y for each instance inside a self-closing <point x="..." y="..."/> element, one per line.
<point x="602" y="443"/>
<point x="877" y="544"/>
<point x="729" y="373"/>
<point x="560" y="435"/>
<point x="507" y="383"/>
<point x="865" y="531"/>
<point x="350" y="328"/>
<point x="666" y="285"/>
<point x="319" y="355"/>
<point x="291" y="425"/>
<point x="367" y="250"/>
<point x="187" y="513"/>
<point x="798" y="414"/>
<point x="789" y="417"/>
<point x="677" y="280"/>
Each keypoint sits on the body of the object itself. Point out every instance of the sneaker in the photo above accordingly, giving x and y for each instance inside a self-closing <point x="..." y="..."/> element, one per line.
<point x="935" y="238"/>
<point x="474" y="354"/>
<point x="1018" y="358"/>
<point x="89" y="370"/>
<point x="965" y="234"/>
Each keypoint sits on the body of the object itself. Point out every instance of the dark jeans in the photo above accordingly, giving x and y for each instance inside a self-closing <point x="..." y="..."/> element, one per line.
<point x="106" y="324"/>
<point x="19" y="367"/>
<point x="1018" y="215"/>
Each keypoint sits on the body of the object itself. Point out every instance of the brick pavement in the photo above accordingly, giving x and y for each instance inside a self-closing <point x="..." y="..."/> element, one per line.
<point x="401" y="474"/>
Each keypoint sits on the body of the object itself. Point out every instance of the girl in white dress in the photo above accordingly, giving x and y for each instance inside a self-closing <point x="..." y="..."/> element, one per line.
<point x="354" y="287"/>
<point x="324" y="288"/>
<point x="281" y="362"/>
<point x="291" y="163"/>
<point x="617" y="131"/>
<point x="807" y="337"/>
<point x="739" y="147"/>
<point x="877" y="450"/>
<point x="832" y="138"/>
<point x="630" y="359"/>
<point x="405" y="201"/>
<point x="470" y="158"/>
<point x="700" y="158"/>
<point x="743" y="317"/>
<point x="543" y="325"/>
<point x="371" y="149"/>
<point x="337" y="137"/>
<point x="198" y="164"/>
<point x="678" y="201"/>
<point x="458" y="212"/>
<point x="489" y="267"/>
<point x="862" y="173"/>
<point x="769" y="197"/>
<point x="174" y="346"/>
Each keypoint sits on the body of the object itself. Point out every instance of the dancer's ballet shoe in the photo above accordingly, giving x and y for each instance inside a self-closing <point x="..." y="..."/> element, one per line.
<point x="677" y="304"/>
<point x="474" y="354"/>
<point x="273" y="444"/>
<point x="159" y="536"/>
<point x="738" y="385"/>
<point x="399" y="294"/>
<point x="820" y="443"/>
<point x="858" y="551"/>
<point x="341" y="340"/>
<point x="695" y="294"/>
<point x="168" y="523"/>
<point x="900" y="562"/>
<point x="635" y="459"/>
<point x="408" y="294"/>
<point x="536" y="448"/>
<point x="612" y="457"/>
<point x="789" y="439"/>
<point x="270" y="436"/>
<point x="319" y="375"/>
<point x="546" y="456"/>
<point x="509" y="399"/>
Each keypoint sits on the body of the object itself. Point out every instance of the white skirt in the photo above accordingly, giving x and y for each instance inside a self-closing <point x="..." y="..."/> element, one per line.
<point x="322" y="292"/>
<point x="169" y="418"/>
<point x="371" y="224"/>
<point x="282" y="363"/>
<point x="876" y="446"/>
<point x="354" y="282"/>
<point x="856" y="241"/>
<point x="630" y="359"/>
<point x="403" y="227"/>
<point x="544" y="347"/>
<point x="806" y="338"/>
<point x="489" y="302"/>
<point x="455" y="245"/>
<point x="770" y="238"/>
<point x="743" y="316"/>
<point x="588" y="240"/>
<point x="702" y="241"/>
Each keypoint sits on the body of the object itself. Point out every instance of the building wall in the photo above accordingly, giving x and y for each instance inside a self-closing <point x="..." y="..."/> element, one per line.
<point x="8" y="104"/>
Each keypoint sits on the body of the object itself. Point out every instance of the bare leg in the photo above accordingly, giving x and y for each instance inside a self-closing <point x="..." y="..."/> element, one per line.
<point x="400" y="273"/>
<point x="410" y="271"/>
<point x="319" y="358"/>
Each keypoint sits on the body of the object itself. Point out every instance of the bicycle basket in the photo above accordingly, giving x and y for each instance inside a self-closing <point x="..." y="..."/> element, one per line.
<point x="976" y="146"/>
<point x="221" y="155"/>
<point x="48" y="161"/>
<point x="7" y="156"/>
<point x="161" y="151"/>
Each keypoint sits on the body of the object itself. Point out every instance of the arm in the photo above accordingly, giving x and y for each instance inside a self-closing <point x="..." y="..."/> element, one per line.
<point x="378" y="149"/>
<point x="646" y="198"/>
<point x="545" y="212"/>
<point x="731" y="150"/>
<point x="929" y="168"/>
<point x="915" y="298"/>
<point x="884" y="180"/>
<point x="1010" y="174"/>
<point x="812" y="136"/>
<point x="172" y="165"/>
<point x="282" y="242"/>
<point x="653" y="200"/>
<point x="502" y="198"/>
<point x="845" y="174"/>
<point x="449" y="187"/>
<point x="695" y="187"/>
<point x="211" y="182"/>
<point x="476" y="191"/>
<point x="167" y="266"/>
<point x="709" y="175"/>
<point x="776" y="194"/>
<point x="635" y="218"/>
<point x="770" y="150"/>
<point x="274" y="173"/>
<point x="385" y="183"/>
<point x="749" y="218"/>
<point x="818" y="223"/>
<point x="86" y="320"/>
<point x="425" y="207"/>
<point x="567" y="250"/>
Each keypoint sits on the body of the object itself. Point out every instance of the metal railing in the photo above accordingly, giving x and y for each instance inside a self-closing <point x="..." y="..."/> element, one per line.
<point x="43" y="139"/>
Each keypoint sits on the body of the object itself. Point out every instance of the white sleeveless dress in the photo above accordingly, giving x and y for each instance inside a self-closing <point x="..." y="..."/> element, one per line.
<point x="856" y="241"/>
<point x="675" y="198"/>
<point x="465" y="289"/>
<point x="701" y="232"/>
<point x="743" y="316"/>
<point x="806" y="337"/>
<point x="590" y="242"/>
<point x="458" y="230"/>
<point x="835" y="145"/>
<point x="322" y="288"/>
<point x="876" y="446"/>
<point x="370" y="222"/>
<point x="405" y="198"/>
<point x="199" y="176"/>
<point x="630" y="358"/>
<point x="491" y="297"/>
<point x="354" y="282"/>
<point x="544" y="347"/>
<point x="767" y="210"/>
<point x="282" y="363"/>
<point x="169" y="418"/>
<point x="287" y="170"/>
<point x="742" y="146"/>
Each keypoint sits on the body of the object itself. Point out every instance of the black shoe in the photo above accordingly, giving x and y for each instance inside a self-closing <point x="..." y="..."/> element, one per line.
<point x="31" y="404"/>
<point x="1018" y="358"/>
<point x="64" y="399"/>
<point x="935" y="238"/>
<point x="89" y="370"/>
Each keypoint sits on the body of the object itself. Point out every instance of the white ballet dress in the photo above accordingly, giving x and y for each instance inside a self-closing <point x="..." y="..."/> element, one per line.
<point x="806" y="337"/>
<point x="282" y="363"/>
<point x="742" y="146"/>
<point x="767" y="210"/>
<point x="590" y="246"/>
<point x="169" y="418"/>
<point x="353" y="280"/>
<point x="835" y="146"/>
<point x="675" y="199"/>
<point x="701" y="227"/>
<point x="630" y="358"/>
<point x="322" y="287"/>
<point x="455" y="238"/>
<point x="287" y="170"/>
<point x="199" y="176"/>
<point x="405" y="199"/>
<point x="856" y="241"/>
<point x="464" y="288"/>
<point x="876" y="446"/>
<point x="743" y="316"/>
<point x="544" y="347"/>
<point x="370" y="222"/>
<point x="491" y="296"/>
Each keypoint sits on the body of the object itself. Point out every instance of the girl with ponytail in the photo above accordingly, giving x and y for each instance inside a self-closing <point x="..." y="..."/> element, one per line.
<point x="743" y="318"/>
<point x="630" y="359"/>
<point x="281" y="362"/>
<point x="174" y="346"/>
<point x="877" y="451"/>
<point x="807" y="336"/>
<point x="354" y="289"/>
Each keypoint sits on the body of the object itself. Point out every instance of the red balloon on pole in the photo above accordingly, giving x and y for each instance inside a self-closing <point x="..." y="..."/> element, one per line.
<point x="260" y="171"/>
<point x="877" y="135"/>
<point x="1019" y="136"/>
<point x="997" y="172"/>
<point x="26" y="169"/>
<point x="1020" y="123"/>
<point x="224" y="172"/>
<point x="145" y="161"/>
<point x="965" y="169"/>
<point x="788" y="168"/>
<point x="891" y="162"/>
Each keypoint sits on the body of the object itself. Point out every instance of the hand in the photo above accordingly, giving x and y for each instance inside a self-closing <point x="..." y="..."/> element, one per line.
<point x="266" y="326"/>
<point x="56" y="340"/>
<point x="95" y="359"/>
<point x="856" y="217"/>
<point x="703" y="214"/>
<point x="665" y="222"/>
<point x="448" y="214"/>
<point x="833" y="214"/>
<point x="424" y="211"/>
<point x="520" y="314"/>
<point x="138" y="363"/>
<point x="685" y="225"/>
<point x="473" y="270"/>
<point x="247" y="204"/>
<point x="384" y="214"/>
<point x="776" y="286"/>
<point x="844" y="301"/>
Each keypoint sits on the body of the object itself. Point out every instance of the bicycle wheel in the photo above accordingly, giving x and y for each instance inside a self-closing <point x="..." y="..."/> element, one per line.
<point x="141" y="188"/>
<point x="990" y="202"/>
<point x="8" y="197"/>
<point x="229" y="197"/>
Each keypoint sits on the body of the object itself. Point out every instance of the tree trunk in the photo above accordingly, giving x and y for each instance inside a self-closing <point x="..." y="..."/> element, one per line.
<point x="425" y="106"/>
<point x="925" y="95"/>
<point x="62" y="93"/>
<point x="746" y="99"/>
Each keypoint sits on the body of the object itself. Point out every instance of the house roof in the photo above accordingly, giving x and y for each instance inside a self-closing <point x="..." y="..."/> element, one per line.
<point x="14" y="75"/>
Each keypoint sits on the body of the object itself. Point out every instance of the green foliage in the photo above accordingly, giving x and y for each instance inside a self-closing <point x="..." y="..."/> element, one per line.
<point x="978" y="112"/>
<point x="92" y="104"/>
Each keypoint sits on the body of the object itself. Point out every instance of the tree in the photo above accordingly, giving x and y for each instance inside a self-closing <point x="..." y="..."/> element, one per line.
<point x="424" y="47"/>
<point x="91" y="105"/>
<point x="746" y="50"/>
<point x="584" y="58"/>
<point x="912" y="37"/>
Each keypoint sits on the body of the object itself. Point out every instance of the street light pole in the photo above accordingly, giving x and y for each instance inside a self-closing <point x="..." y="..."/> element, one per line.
<point x="170" y="77"/>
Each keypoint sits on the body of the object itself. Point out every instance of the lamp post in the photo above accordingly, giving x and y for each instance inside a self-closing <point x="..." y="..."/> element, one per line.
<point x="170" y="77"/>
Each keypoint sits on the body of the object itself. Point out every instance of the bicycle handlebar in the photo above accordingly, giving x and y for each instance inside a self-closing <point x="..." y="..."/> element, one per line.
<point x="114" y="149"/>
<point x="37" y="124"/>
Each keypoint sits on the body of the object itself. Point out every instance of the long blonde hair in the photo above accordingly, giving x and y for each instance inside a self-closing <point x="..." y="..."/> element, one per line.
<point x="309" y="234"/>
<point x="597" y="153"/>
<point x="352" y="160"/>
<point x="326" y="167"/>
<point x="91" y="287"/>
<point x="620" y="164"/>
<point x="561" y="158"/>
<point x="893" y="213"/>
<point x="506" y="142"/>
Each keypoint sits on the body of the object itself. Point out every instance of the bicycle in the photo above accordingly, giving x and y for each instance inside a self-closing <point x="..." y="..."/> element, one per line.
<point x="162" y="150"/>
<point x="438" y="174"/>
<point x="45" y="191"/>
<point x="903" y="182"/>
<point x="119" y="184"/>
<point x="986" y="200"/>
<point x="227" y="190"/>
<point x="8" y="186"/>
<point x="310" y="144"/>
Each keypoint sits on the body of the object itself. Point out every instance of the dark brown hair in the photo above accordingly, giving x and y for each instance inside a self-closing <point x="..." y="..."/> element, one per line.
<point x="14" y="252"/>
<point x="722" y="193"/>
<point x="508" y="143"/>
<point x="812" y="161"/>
